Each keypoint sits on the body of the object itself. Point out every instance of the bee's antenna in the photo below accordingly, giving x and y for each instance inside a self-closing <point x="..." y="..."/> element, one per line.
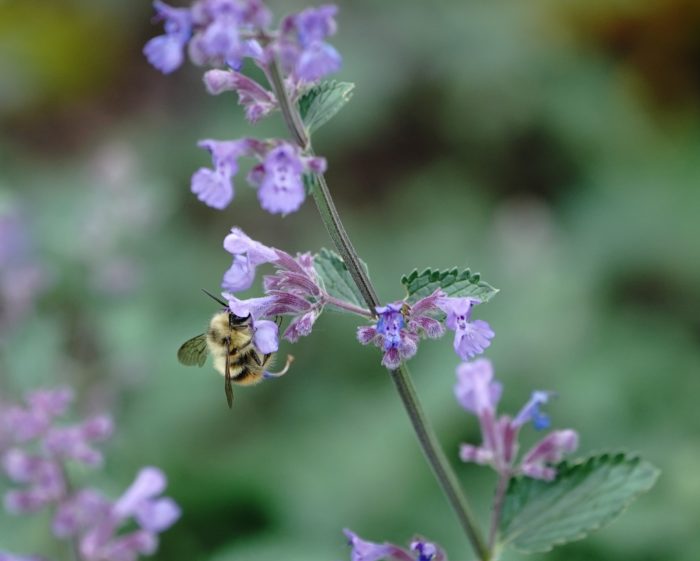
<point x="219" y="300"/>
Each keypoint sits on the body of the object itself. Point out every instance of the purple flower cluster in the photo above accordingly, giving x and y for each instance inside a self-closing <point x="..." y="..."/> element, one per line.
<point x="34" y="454"/>
<point x="293" y="290"/>
<point x="479" y="393"/>
<point x="400" y="326"/>
<point x="278" y="177"/>
<point x="225" y="33"/>
<point x="419" y="550"/>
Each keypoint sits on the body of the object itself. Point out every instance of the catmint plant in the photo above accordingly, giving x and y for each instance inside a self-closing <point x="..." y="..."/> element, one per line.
<point x="37" y="452"/>
<point x="540" y="500"/>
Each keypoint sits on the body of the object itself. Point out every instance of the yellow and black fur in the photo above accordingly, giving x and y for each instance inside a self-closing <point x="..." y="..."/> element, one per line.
<point x="229" y="339"/>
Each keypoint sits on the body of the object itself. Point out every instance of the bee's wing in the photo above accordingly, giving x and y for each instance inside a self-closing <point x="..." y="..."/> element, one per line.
<point x="193" y="351"/>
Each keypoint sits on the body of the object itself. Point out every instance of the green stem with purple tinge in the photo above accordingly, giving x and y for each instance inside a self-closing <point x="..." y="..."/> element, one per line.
<point x="402" y="380"/>
<point x="347" y="306"/>
<point x="501" y="488"/>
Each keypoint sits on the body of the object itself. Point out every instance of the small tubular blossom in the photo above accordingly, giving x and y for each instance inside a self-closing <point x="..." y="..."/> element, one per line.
<point x="167" y="52"/>
<point x="257" y="101"/>
<point x="477" y="392"/>
<point x="420" y="550"/>
<point x="247" y="255"/>
<point x="401" y="325"/>
<point x="471" y="337"/>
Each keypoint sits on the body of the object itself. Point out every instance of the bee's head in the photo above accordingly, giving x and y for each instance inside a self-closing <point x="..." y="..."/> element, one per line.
<point x="239" y="321"/>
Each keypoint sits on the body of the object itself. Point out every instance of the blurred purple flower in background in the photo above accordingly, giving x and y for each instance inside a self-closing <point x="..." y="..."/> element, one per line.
<point x="35" y="452"/>
<point x="166" y="52"/>
<point x="479" y="393"/>
<point x="224" y="33"/>
<point x="420" y="550"/>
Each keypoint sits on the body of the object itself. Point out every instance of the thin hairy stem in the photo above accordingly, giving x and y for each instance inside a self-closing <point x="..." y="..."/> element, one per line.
<point x="402" y="380"/>
<point x="499" y="497"/>
<point x="343" y="305"/>
<point x="437" y="460"/>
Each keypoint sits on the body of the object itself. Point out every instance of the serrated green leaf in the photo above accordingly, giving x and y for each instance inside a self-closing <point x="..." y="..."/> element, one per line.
<point x="453" y="282"/>
<point x="318" y="105"/>
<point x="585" y="496"/>
<point x="336" y="278"/>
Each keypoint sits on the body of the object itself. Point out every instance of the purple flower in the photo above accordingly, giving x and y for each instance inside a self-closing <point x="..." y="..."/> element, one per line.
<point x="426" y="550"/>
<point x="74" y="442"/>
<point x="265" y="336"/>
<point x="166" y="52"/>
<point x="367" y="551"/>
<point x="316" y="61"/>
<point x="43" y="406"/>
<point x="83" y="515"/>
<point x="46" y="484"/>
<point x="471" y="338"/>
<point x="282" y="187"/>
<point x="549" y="450"/>
<point x="531" y="411"/>
<point x="315" y="24"/>
<point x="215" y="187"/>
<point x="479" y="393"/>
<point x="476" y="390"/>
<point x="79" y="512"/>
<point x="247" y="255"/>
<point x="142" y="502"/>
<point x="280" y="178"/>
<point x="221" y="40"/>
<point x="293" y="290"/>
<point x="399" y="328"/>
<point x="256" y="100"/>
<point x="301" y="326"/>
<point x="391" y="335"/>
<point x="303" y="51"/>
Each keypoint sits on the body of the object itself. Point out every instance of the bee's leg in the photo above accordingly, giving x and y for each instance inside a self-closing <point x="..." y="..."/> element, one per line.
<point x="269" y="374"/>
<point x="227" y="376"/>
<point x="256" y="358"/>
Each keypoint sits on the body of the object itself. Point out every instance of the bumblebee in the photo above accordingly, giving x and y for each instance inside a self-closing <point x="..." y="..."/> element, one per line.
<point x="229" y="340"/>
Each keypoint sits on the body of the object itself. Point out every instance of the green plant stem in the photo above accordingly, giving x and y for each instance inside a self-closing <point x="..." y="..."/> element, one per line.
<point x="438" y="462"/>
<point x="402" y="380"/>
<point x="499" y="497"/>
<point x="343" y="305"/>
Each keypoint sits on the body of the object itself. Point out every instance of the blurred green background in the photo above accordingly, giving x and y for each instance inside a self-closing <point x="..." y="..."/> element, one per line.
<point x="552" y="146"/>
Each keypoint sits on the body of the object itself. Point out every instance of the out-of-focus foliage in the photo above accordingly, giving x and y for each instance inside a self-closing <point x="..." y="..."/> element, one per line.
<point x="551" y="146"/>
